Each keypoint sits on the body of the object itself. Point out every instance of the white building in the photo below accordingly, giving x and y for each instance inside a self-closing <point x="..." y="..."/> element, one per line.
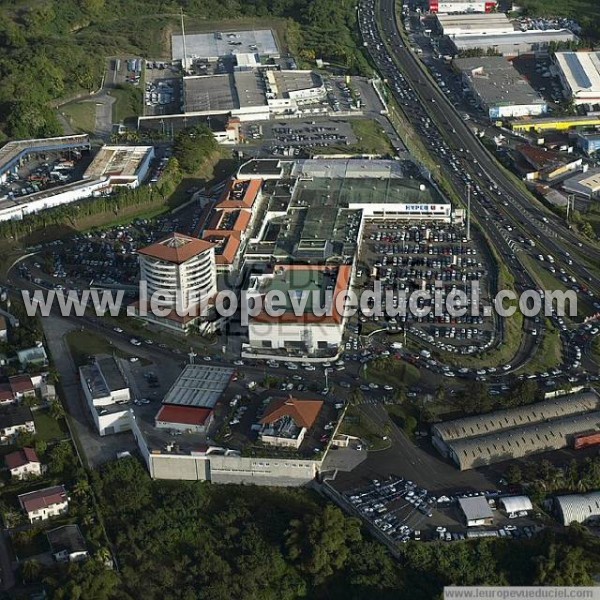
<point x="23" y="463"/>
<point x="14" y="420"/>
<point x="180" y="273"/>
<point x="287" y="420"/>
<point x="578" y="508"/>
<point x="474" y="24"/>
<point x="513" y="505"/>
<point x="476" y="511"/>
<point x="462" y="6"/>
<point x="113" y="166"/>
<point x="498" y="88"/>
<point x="106" y="391"/>
<point x="45" y="503"/>
<point x="580" y="75"/>
<point x="305" y="333"/>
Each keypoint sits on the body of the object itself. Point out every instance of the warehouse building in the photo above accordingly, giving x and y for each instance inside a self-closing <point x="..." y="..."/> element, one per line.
<point x="513" y="505"/>
<point x="589" y="142"/>
<point x="474" y="24"/>
<point x="462" y="6"/>
<point x="498" y="88"/>
<point x="586" y="184"/>
<point x="514" y="433"/>
<point x="580" y="75"/>
<point x="578" y="508"/>
<point x="518" y="43"/>
<point x="476" y="511"/>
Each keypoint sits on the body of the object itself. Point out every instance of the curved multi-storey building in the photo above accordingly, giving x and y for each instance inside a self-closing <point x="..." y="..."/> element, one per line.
<point x="180" y="276"/>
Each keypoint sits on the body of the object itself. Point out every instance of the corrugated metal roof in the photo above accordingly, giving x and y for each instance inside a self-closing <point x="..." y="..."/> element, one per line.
<point x="578" y="507"/>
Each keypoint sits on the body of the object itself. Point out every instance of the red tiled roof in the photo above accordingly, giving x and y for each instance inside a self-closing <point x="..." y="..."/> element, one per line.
<point x="303" y="412"/>
<point x="17" y="459"/>
<point x="177" y="248"/>
<point x="183" y="415"/>
<point x="226" y="245"/>
<point x="43" y="498"/>
<point x="248" y="198"/>
<point x="20" y="384"/>
<point x="6" y="393"/>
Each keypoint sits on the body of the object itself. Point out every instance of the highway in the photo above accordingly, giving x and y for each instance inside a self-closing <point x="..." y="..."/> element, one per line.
<point x="499" y="204"/>
<point x="530" y="217"/>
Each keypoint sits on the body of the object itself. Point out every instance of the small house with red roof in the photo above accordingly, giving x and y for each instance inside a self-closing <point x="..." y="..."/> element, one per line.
<point x="23" y="463"/>
<point x="45" y="503"/>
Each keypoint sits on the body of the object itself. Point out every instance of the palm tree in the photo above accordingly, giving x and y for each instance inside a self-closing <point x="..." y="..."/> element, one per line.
<point x="32" y="570"/>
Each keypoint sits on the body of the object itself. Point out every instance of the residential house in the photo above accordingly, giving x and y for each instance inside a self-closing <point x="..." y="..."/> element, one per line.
<point x="6" y="394"/>
<point x="13" y="420"/>
<point x="45" y="503"/>
<point x="23" y="463"/>
<point x="22" y="386"/>
<point x="67" y="544"/>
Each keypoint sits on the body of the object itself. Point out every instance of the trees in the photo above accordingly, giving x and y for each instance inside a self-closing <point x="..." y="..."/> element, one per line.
<point x="194" y="146"/>
<point x="318" y="543"/>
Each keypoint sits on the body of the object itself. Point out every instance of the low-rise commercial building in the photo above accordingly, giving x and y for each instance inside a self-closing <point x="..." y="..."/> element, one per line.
<point x="516" y="505"/>
<point x="586" y="184"/>
<point x="518" y="43"/>
<point x="462" y="6"/>
<point x="540" y="164"/>
<point x="474" y="24"/>
<point x="580" y="75"/>
<point x="589" y="142"/>
<point x="287" y="420"/>
<point x="107" y="392"/>
<point x="476" y="511"/>
<point x="498" y="88"/>
<point x="517" y="432"/>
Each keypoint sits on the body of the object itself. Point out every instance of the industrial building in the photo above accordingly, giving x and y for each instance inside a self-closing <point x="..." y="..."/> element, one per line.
<point x="514" y="433"/>
<point x="462" y="6"/>
<point x="252" y="94"/>
<point x="513" y="505"/>
<point x="578" y="508"/>
<point x="555" y="124"/>
<point x="180" y="276"/>
<point x="498" y="87"/>
<point x="586" y="184"/>
<point x="589" y="142"/>
<point x="474" y="24"/>
<point x="513" y="44"/>
<point x="212" y="46"/>
<point x="580" y="75"/>
<point x="541" y="164"/>
<point x="476" y="511"/>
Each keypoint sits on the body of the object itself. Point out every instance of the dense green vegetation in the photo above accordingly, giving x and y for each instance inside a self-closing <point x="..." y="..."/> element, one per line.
<point x="56" y="49"/>
<point x="191" y="541"/>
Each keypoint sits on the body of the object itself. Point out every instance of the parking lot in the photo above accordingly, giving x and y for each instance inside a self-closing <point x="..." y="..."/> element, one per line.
<point x="39" y="172"/>
<point x="403" y="511"/>
<point x="162" y="93"/>
<point x="404" y="258"/>
<point x="107" y="257"/>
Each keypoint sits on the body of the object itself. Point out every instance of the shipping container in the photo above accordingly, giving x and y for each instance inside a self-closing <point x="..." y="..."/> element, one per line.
<point x="587" y="440"/>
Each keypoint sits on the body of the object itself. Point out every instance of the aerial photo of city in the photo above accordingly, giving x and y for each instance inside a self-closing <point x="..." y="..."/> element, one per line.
<point x="299" y="299"/>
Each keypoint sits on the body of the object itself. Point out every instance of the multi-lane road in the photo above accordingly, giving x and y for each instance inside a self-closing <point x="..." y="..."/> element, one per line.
<point x="465" y="161"/>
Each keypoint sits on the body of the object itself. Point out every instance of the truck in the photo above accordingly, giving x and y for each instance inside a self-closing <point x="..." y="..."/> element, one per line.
<point x="586" y="440"/>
